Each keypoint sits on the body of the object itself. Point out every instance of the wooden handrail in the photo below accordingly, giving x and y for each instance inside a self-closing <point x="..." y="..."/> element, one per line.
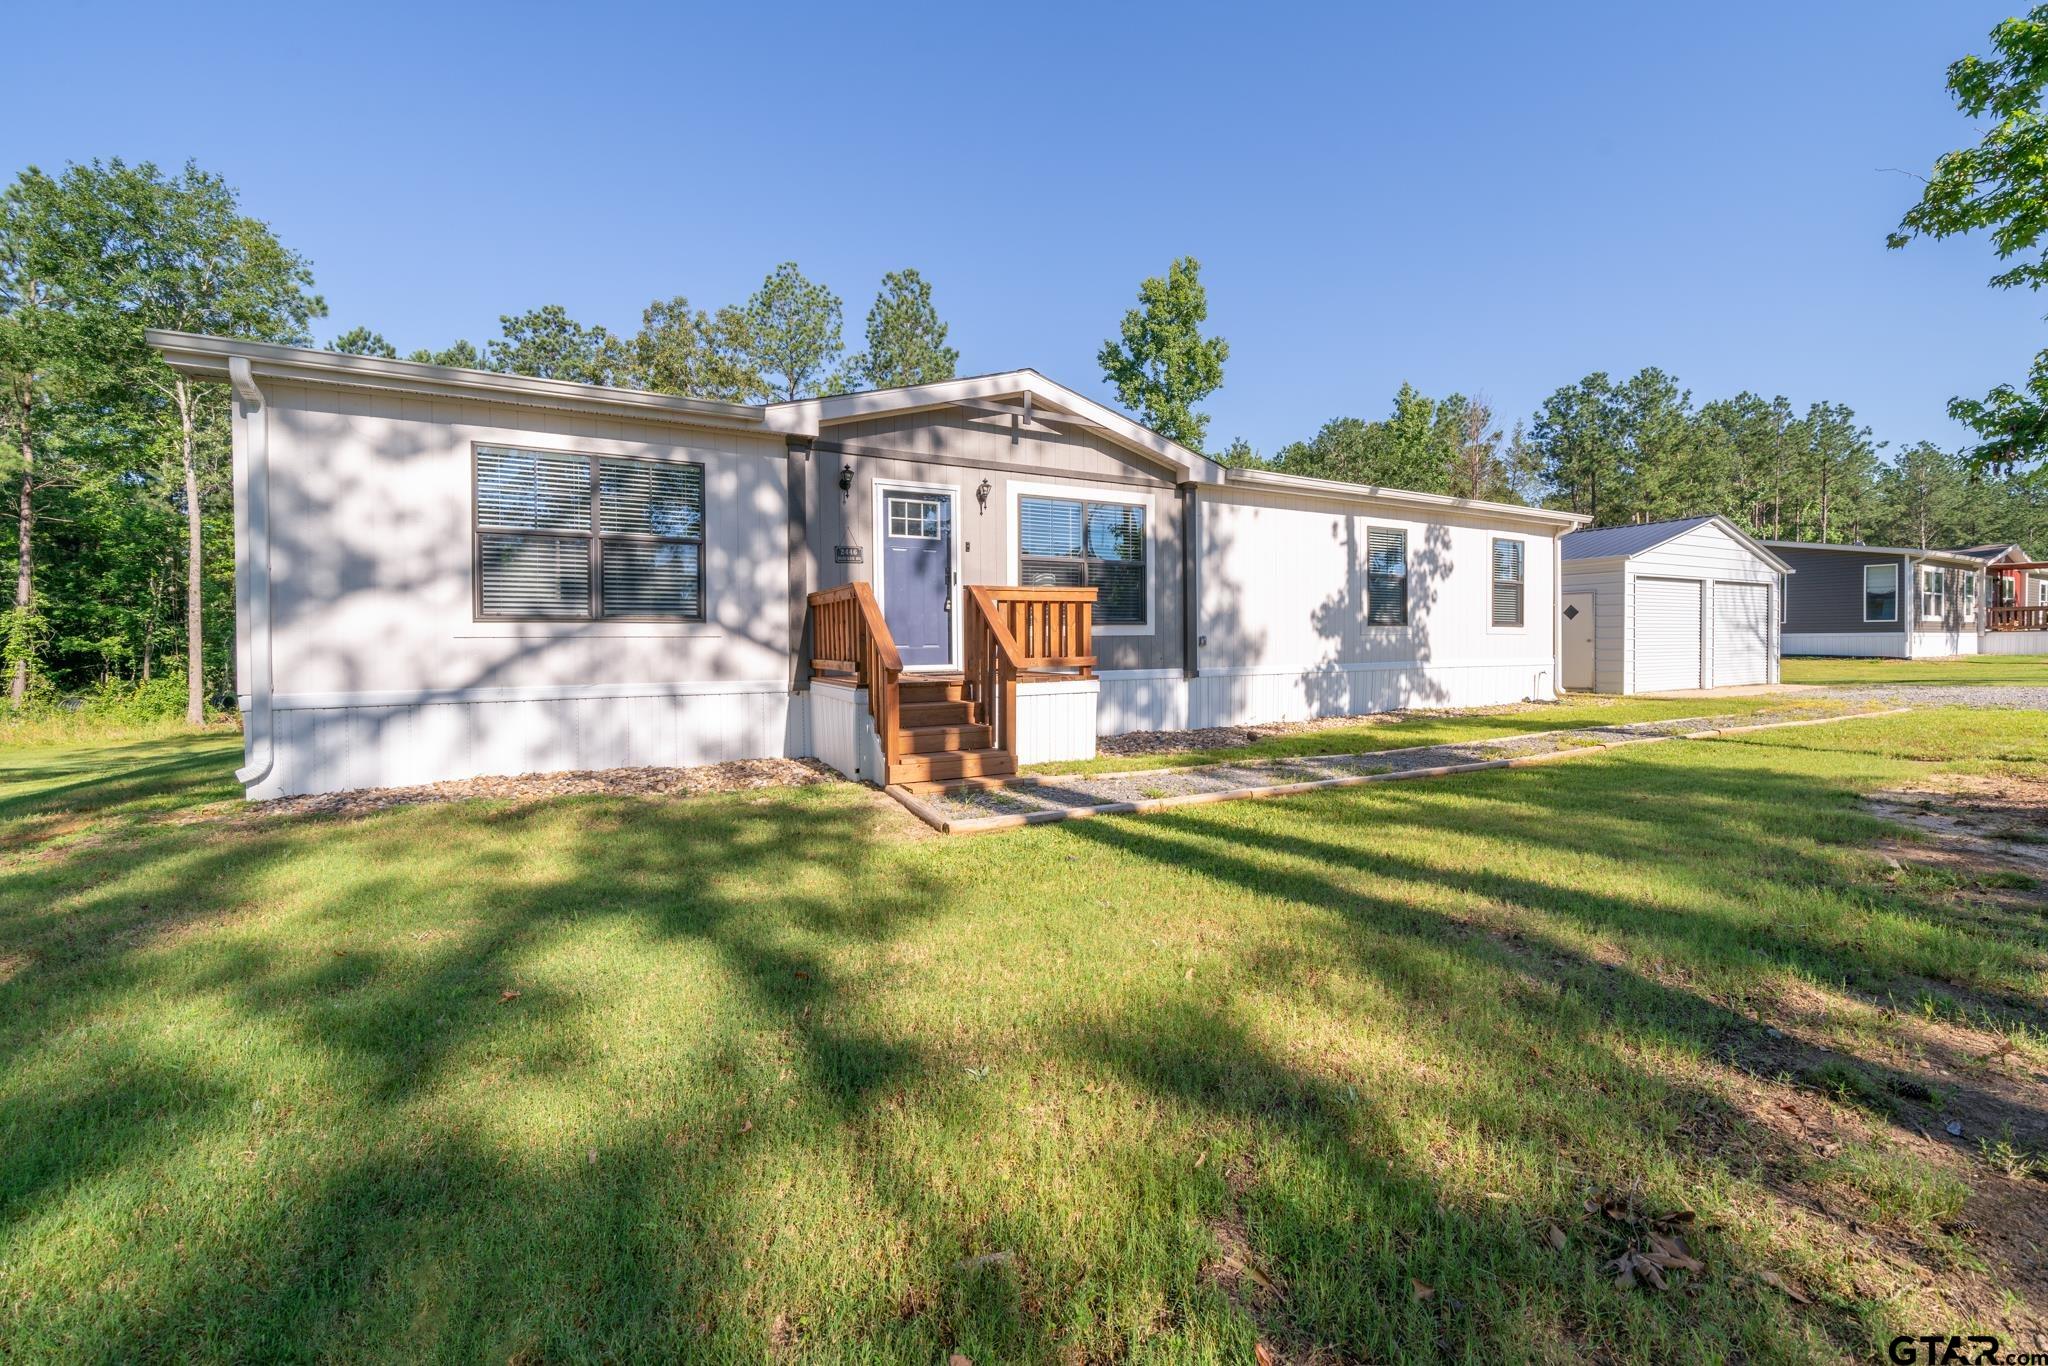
<point x="849" y="636"/>
<point x="1054" y="628"/>
<point x="994" y="660"/>
<point x="2031" y="617"/>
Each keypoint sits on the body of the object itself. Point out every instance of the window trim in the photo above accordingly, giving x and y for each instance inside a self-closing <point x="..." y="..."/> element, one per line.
<point x="1492" y="542"/>
<point x="1863" y="593"/>
<point x="1968" y="597"/>
<point x="1407" y="597"/>
<point x="1081" y="492"/>
<point x="593" y="539"/>
<point x="1940" y="594"/>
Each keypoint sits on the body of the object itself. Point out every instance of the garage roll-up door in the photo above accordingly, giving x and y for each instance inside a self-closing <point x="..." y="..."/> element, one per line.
<point x="1742" y="633"/>
<point x="1667" y="634"/>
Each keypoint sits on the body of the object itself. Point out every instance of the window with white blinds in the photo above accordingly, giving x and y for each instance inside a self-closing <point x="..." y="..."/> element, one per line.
<point x="1064" y="543"/>
<point x="1386" y="576"/>
<point x="1507" y="583"/>
<point x="582" y="537"/>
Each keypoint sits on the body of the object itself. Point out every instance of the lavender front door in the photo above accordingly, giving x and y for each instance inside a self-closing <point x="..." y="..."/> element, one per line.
<point x="917" y="576"/>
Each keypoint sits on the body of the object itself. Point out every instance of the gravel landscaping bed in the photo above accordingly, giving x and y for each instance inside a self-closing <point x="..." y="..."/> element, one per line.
<point x="1080" y="792"/>
<point x="738" y="776"/>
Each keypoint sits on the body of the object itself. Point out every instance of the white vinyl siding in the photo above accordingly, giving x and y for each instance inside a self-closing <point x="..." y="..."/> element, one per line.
<point x="564" y="537"/>
<point x="1742" y="634"/>
<point x="1667" y="632"/>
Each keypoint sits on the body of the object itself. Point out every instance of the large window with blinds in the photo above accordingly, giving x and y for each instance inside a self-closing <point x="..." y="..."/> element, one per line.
<point x="1507" y="582"/>
<point x="1072" y="543"/>
<point x="581" y="537"/>
<point x="1386" y="576"/>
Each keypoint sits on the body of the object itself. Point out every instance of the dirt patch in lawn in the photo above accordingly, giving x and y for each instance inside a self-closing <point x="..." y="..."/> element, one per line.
<point x="745" y="775"/>
<point x="1992" y="831"/>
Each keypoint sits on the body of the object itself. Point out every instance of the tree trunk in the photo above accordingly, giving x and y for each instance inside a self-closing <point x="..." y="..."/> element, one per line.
<point x="195" y="639"/>
<point x="25" y="530"/>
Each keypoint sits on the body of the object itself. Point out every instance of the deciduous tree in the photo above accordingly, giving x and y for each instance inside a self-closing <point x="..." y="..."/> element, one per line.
<point x="1163" y="366"/>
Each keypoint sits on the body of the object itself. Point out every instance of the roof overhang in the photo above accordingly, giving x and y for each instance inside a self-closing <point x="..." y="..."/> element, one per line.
<point x="1024" y="396"/>
<point x="1425" y="503"/>
<point x="207" y="357"/>
<point x="1932" y="556"/>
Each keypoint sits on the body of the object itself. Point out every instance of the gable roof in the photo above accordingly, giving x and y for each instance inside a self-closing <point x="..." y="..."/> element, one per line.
<point x="1991" y="554"/>
<point x="1025" y="395"/>
<point x="1612" y="542"/>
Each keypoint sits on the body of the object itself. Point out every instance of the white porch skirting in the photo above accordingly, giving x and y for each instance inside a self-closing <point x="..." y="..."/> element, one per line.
<point x="2013" y="643"/>
<point x="1057" y="720"/>
<point x="334" y="742"/>
<point x="1162" y="699"/>
<point x="1845" y="644"/>
<point x="1935" y="644"/>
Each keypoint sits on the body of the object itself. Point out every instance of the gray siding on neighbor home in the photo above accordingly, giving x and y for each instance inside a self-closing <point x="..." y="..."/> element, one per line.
<point x="960" y="450"/>
<point x="1825" y="593"/>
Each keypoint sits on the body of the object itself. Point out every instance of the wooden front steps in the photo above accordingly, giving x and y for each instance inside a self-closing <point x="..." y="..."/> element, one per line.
<point x="945" y="737"/>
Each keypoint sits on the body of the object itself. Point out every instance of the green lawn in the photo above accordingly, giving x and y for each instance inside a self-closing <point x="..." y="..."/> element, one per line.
<point x="1966" y="670"/>
<point x="780" y="1074"/>
<point x="1404" y="730"/>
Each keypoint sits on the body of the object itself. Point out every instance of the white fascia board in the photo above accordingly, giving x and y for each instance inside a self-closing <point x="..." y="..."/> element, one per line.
<point x="207" y="357"/>
<point x="1933" y="556"/>
<point x="1755" y="546"/>
<point x="1062" y="401"/>
<point x="1407" y="498"/>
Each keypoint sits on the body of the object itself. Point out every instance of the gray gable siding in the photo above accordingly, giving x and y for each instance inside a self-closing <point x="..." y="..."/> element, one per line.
<point x="1826" y="592"/>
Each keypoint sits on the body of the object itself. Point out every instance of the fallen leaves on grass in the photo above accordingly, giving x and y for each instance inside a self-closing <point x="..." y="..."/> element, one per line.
<point x="1779" y="1283"/>
<point x="507" y="995"/>
<point x="1421" y="1291"/>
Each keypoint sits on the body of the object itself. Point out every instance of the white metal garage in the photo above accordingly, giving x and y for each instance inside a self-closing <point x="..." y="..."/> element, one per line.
<point x="1673" y="605"/>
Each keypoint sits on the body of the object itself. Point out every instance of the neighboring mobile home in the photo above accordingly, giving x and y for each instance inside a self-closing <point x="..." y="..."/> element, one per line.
<point x="2015" y="600"/>
<point x="1668" y="605"/>
<point x="444" y="573"/>
<point x="1886" y="601"/>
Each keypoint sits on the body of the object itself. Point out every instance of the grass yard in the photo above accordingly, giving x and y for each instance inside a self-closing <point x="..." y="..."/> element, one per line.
<point x="1406" y="730"/>
<point x="1391" y="1071"/>
<point x="1966" y="670"/>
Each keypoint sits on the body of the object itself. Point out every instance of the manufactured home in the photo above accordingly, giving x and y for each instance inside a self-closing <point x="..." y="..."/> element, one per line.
<point x="1881" y="601"/>
<point x="444" y="573"/>
<point x="1669" y="605"/>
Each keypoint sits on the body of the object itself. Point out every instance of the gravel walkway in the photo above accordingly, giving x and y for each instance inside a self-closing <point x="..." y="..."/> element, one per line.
<point x="1939" y="695"/>
<point x="1067" y="794"/>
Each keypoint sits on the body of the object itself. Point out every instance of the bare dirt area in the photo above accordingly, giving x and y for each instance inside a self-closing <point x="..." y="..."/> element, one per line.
<point x="739" y="776"/>
<point x="1989" y="832"/>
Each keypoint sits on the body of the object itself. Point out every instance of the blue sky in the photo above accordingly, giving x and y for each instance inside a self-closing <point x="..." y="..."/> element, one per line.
<point x="1490" y="198"/>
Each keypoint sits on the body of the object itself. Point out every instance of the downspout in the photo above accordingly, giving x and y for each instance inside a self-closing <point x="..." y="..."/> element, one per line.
<point x="254" y="564"/>
<point x="1557" y="622"/>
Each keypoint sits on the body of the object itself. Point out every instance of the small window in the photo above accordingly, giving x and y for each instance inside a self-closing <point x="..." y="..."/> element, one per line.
<point x="1068" y="544"/>
<point x="1969" y="597"/>
<point x="916" y="518"/>
<point x="2041" y="592"/>
<point x="1386" y="576"/>
<point x="1507" y="583"/>
<point x="582" y="537"/>
<point x="1880" y="592"/>
<point x="1933" y="594"/>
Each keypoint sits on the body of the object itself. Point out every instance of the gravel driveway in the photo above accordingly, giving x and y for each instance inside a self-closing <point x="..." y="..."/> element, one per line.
<point x="1940" y="695"/>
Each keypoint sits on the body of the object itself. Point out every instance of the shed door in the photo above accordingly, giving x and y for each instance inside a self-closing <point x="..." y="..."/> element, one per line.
<point x="1742" y="633"/>
<point x="1667" y="634"/>
<point x="1578" y="641"/>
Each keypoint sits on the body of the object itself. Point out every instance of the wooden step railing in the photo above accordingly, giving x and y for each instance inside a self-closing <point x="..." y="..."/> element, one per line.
<point x="1054" y="627"/>
<point x="1012" y="632"/>
<point x="2029" y="618"/>
<point x="849" y="639"/>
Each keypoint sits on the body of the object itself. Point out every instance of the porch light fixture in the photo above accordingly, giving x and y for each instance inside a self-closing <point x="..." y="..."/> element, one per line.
<point x="981" y="493"/>
<point x="845" y="478"/>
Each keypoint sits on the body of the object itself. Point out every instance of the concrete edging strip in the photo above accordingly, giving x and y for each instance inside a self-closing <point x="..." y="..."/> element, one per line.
<point x="983" y="825"/>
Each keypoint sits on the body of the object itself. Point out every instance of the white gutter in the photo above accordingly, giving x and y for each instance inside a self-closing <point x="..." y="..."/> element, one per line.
<point x="254" y="564"/>
<point x="1342" y="492"/>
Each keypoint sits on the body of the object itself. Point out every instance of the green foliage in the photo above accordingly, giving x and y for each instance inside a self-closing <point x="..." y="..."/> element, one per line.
<point x="462" y="355"/>
<point x="1164" y="366"/>
<point x="906" y="340"/>
<point x="1999" y="185"/>
<point x="1448" y="445"/>
<point x="547" y="343"/>
<point x="361" y="341"/>
<point x="793" y="332"/>
<point x="696" y="354"/>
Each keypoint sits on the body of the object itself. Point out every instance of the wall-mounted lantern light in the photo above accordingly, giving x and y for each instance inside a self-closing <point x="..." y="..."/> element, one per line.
<point x="981" y="494"/>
